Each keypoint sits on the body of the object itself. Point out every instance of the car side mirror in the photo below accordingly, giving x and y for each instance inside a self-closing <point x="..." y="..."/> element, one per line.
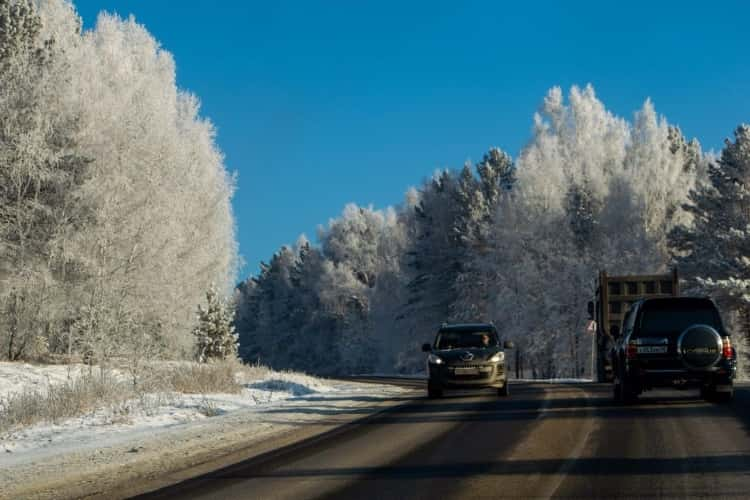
<point x="591" y="310"/>
<point x="426" y="348"/>
<point x="509" y="345"/>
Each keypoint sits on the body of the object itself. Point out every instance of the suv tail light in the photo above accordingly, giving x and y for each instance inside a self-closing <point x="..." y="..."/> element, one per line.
<point x="726" y="348"/>
<point x="632" y="351"/>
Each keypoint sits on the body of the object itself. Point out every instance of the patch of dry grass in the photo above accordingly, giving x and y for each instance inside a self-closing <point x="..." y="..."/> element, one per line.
<point x="205" y="378"/>
<point x="76" y="396"/>
<point x="97" y="389"/>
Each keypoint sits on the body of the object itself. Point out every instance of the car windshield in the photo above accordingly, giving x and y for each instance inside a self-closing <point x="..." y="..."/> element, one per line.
<point x="466" y="339"/>
<point x="674" y="320"/>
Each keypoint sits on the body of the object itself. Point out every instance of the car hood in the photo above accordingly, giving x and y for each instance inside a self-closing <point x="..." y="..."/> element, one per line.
<point x="458" y="355"/>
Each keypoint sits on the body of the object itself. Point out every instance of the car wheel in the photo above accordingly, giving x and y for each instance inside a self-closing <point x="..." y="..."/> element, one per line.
<point x="504" y="391"/>
<point x="724" y="396"/>
<point x="434" y="390"/>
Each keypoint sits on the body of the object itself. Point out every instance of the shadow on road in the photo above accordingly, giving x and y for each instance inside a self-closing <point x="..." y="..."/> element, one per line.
<point x="524" y="404"/>
<point x="585" y="466"/>
<point x="495" y="417"/>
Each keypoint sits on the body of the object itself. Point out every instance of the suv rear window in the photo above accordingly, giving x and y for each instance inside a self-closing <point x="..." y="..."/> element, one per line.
<point x="669" y="319"/>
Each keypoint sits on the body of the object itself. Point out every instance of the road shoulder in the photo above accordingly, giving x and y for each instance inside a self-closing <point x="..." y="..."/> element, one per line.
<point x="155" y="460"/>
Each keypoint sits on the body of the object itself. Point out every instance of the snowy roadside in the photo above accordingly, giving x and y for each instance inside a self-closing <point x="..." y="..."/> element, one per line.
<point x="94" y="453"/>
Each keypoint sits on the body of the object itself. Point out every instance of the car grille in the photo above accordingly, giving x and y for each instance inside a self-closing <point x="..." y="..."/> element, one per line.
<point x="483" y="371"/>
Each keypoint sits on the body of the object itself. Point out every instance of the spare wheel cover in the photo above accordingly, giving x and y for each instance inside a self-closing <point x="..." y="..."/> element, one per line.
<point x="699" y="347"/>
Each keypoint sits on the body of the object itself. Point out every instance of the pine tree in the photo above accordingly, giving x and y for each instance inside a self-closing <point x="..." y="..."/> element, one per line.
<point x="713" y="252"/>
<point x="582" y="211"/>
<point x="215" y="337"/>
<point x="497" y="174"/>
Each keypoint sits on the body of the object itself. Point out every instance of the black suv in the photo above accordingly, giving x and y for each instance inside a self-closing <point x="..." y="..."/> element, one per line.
<point x="466" y="356"/>
<point x="675" y="342"/>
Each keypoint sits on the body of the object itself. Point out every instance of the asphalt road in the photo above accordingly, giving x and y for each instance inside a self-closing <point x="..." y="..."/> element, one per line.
<point x="546" y="440"/>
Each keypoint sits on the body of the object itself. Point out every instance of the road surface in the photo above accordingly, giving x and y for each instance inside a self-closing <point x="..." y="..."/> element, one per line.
<point x="545" y="441"/>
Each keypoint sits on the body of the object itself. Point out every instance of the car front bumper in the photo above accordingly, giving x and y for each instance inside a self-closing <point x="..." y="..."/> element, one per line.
<point x="468" y="376"/>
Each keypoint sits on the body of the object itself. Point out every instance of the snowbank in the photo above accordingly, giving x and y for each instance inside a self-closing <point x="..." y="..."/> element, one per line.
<point x="269" y="403"/>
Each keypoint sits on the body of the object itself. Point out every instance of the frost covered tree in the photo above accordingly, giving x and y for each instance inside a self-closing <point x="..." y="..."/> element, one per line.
<point x="518" y="243"/>
<point x="159" y="186"/>
<point x="214" y="334"/>
<point x="713" y="250"/>
<point x="433" y="264"/>
<point x="114" y="200"/>
<point x="478" y="198"/>
<point x="40" y="176"/>
<point x="606" y="191"/>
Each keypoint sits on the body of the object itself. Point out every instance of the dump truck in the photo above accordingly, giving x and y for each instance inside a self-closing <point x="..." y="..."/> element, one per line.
<point x="614" y="296"/>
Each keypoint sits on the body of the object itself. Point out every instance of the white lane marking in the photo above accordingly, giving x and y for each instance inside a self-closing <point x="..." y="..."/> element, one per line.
<point x="562" y="473"/>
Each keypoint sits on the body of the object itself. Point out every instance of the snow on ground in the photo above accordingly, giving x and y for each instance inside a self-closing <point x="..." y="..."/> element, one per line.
<point x="263" y="391"/>
<point x="18" y="377"/>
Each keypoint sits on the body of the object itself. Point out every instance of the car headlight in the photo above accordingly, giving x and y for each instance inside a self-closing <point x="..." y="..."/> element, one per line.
<point x="498" y="357"/>
<point x="435" y="360"/>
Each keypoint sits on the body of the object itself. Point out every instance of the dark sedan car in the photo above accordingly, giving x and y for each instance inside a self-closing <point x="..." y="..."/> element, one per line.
<point x="466" y="356"/>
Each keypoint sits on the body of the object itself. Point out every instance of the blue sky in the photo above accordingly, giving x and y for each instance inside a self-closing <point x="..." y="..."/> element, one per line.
<point x="318" y="104"/>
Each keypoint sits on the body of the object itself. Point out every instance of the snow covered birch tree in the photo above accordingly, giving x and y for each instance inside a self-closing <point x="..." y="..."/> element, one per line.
<point x="114" y="202"/>
<point x="41" y="171"/>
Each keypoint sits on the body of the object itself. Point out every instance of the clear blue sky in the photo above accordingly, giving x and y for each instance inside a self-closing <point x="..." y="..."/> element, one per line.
<point x="318" y="104"/>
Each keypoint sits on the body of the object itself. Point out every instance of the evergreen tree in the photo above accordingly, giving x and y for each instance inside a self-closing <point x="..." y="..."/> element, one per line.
<point x="713" y="252"/>
<point x="214" y="334"/>
<point x="434" y="262"/>
<point x="497" y="174"/>
<point x="582" y="211"/>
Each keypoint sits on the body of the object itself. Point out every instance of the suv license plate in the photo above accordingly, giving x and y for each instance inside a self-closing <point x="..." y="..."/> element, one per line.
<point x="466" y="371"/>
<point x="652" y="349"/>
